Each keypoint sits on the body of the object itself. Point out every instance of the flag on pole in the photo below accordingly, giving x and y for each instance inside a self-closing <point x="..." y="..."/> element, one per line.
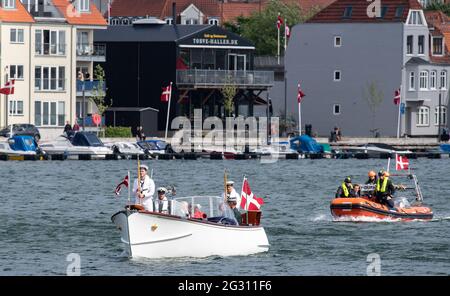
<point x="397" y="97"/>
<point x="165" y="95"/>
<point x="279" y="21"/>
<point x="8" y="89"/>
<point x="401" y="162"/>
<point x="300" y="94"/>
<point x="119" y="187"/>
<point x="287" y="31"/>
<point x="249" y="201"/>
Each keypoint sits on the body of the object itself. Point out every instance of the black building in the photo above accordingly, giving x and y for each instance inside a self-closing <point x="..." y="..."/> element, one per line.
<point x="200" y="60"/>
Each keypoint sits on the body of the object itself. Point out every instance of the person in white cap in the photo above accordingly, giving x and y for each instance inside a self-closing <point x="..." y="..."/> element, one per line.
<point x="231" y="192"/>
<point x="147" y="189"/>
<point x="162" y="203"/>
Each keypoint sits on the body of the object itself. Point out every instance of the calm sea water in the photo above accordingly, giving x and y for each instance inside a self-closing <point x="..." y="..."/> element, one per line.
<point x="52" y="209"/>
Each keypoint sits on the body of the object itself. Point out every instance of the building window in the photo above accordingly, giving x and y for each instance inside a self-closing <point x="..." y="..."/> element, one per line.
<point x="49" y="42"/>
<point x="191" y="21"/>
<point x="16" y="36"/>
<point x="337" y="41"/>
<point x="423" y="116"/>
<point x="412" y="81"/>
<point x="15" y="107"/>
<point x="409" y="44"/>
<point x="433" y="75"/>
<point x="437" y="46"/>
<point x="336" y="109"/>
<point x="16" y="72"/>
<point x="213" y="21"/>
<point x="83" y="5"/>
<point x="115" y="22"/>
<point x="49" y="78"/>
<point x="169" y="21"/>
<point x="443" y="82"/>
<point x="443" y="116"/>
<point x="415" y="18"/>
<point x="9" y="3"/>
<point x="384" y="10"/>
<point x="126" y="22"/>
<point x="421" y="44"/>
<point x="423" y="80"/>
<point x="49" y="113"/>
<point x="399" y="12"/>
<point x="348" y="12"/>
<point x="337" y="75"/>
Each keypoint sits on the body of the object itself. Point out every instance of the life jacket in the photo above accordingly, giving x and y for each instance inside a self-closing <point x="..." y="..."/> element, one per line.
<point x="383" y="186"/>
<point x="345" y="189"/>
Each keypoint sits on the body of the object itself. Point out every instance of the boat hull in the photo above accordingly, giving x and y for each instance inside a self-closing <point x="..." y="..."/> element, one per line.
<point x="153" y="235"/>
<point x="355" y="208"/>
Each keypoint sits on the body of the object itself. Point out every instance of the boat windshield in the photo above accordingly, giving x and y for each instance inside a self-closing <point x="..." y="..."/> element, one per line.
<point x="205" y="207"/>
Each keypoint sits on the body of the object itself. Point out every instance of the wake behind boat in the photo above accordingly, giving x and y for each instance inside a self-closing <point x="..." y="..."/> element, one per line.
<point x="180" y="234"/>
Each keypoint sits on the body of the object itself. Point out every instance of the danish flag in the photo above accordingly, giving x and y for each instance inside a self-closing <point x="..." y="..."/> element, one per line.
<point x="8" y="89"/>
<point x="248" y="200"/>
<point x="397" y="97"/>
<point x="166" y="93"/>
<point x="119" y="187"/>
<point x="279" y="21"/>
<point x="287" y="31"/>
<point x="300" y="94"/>
<point x="401" y="163"/>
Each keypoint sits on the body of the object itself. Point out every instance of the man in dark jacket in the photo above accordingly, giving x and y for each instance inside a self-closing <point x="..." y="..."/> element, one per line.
<point x="385" y="190"/>
<point x="232" y="202"/>
<point x="345" y="189"/>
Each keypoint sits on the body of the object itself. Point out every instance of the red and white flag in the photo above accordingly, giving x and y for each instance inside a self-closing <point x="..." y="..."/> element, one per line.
<point x="166" y="93"/>
<point x="279" y="21"/>
<point x="8" y="89"/>
<point x="287" y="31"/>
<point x="397" y="97"/>
<point x="300" y="94"/>
<point x="119" y="187"/>
<point x="401" y="162"/>
<point x="248" y="200"/>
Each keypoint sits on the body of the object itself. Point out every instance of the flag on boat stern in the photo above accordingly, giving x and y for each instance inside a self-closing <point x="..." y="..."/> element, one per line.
<point x="119" y="187"/>
<point x="249" y="201"/>
<point x="165" y="95"/>
<point x="401" y="162"/>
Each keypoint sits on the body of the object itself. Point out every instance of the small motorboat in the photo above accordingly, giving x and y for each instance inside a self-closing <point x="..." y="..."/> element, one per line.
<point x="20" y="145"/>
<point x="82" y="143"/>
<point x="179" y="234"/>
<point x="154" y="147"/>
<point x="365" y="208"/>
<point x="125" y="149"/>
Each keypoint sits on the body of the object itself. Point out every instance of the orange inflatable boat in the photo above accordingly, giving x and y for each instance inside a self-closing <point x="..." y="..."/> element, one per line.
<point x="362" y="207"/>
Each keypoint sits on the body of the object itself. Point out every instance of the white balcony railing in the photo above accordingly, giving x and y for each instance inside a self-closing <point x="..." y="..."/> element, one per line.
<point x="218" y="78"/>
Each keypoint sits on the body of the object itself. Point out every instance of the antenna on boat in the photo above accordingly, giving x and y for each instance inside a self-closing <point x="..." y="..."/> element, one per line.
<point x="129" y="188"/>
<point x="388" y="165"/>
<point x="225" y="185"/>
<point x="139" y="179"/>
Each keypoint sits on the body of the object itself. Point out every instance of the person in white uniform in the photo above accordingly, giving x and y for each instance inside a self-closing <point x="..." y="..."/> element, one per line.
<point x="144" y="196"/>
<point x="162" y="203"/>
<point x="231" y="192"/>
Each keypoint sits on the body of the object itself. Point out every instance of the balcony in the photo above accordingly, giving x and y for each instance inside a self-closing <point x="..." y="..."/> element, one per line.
<point x="50" y="85"/>
<point x="89" y="52"/>
<point x="258" y="80"/>
<point x="90" y="86"/>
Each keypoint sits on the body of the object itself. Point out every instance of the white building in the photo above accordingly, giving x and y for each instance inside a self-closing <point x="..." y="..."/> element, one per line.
<point x="43" y="45"/>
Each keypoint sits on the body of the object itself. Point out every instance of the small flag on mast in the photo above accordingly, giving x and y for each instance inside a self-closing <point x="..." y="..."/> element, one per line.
<point x="8" y="89"/>
<point x="165" y="95"/>
<point x="119" y="187"/>
<point x="397" y="97"/>
<point x="300" y="94"/>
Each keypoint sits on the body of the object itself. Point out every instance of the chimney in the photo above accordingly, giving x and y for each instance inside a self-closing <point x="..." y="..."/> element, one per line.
<point x="174" y="13"/>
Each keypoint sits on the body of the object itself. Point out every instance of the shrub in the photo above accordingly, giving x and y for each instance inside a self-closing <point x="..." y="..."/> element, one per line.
<point x="118" y="132"/>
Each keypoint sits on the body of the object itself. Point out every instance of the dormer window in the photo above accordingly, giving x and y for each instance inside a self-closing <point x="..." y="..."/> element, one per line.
<point x="348" y="12"/>
<point x="169" y="20"/>
<point x="437" y="46"/>
<point x="213" y="21"/>
<point x="9" y="4"/>
<point x="415" y="18"/>
<point x="83" y="5"/>
<point x="384" y="10"/>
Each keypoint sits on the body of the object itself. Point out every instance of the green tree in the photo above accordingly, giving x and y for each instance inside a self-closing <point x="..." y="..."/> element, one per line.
<point x="261" y="29"/>
<point x="374" y="97"/>
<point x="98" y="92"/>
<point x="436" y="5"/>
<point x="229" y="91"/>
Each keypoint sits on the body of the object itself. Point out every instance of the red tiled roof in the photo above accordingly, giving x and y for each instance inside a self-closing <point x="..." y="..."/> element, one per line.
<point x="306" y="5"/>
<point x="16" y="15"/>
<point x="93" y="17"/>
<point x="440" y="23"/>
<point x="334" y="12"/>
<point x="232" y="10"/>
